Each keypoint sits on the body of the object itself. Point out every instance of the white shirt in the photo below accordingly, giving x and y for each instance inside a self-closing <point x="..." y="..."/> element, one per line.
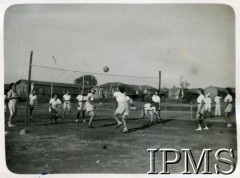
<point x="32" y="99"/>
<point x="207" y="102"/>
<point x="147" y="107"/>
<point x="156" y="98"/>
<point x="228" y="98"/>
<point x="54" y="103"/>
<point x="200" y="98"/>
<point x="89" y="97"/>
<point x="81" y="98"/>
<point x="66" y="97"/>
<point x="217" y="99"/>
<point x="10" y="94"/>
<point x="119" y="96"/>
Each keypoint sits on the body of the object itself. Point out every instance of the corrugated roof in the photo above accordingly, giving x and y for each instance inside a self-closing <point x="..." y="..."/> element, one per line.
<point x="49" y="83"/>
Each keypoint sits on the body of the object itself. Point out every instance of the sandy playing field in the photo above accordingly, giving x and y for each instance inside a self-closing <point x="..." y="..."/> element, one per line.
<point x="68" y="147"/>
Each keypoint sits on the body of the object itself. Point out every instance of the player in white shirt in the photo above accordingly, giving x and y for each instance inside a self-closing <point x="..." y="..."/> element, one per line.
<point x="32" y="102"/>
<point x="12" y="98"/>
<point x="89" y="106"/>
<point x="217" y="100"/>
<point x="228" y="107"/>
<point x="55" y="105"/>
<point x="66" y="104"/>
<point x="149" y="109"/>
<point x="81" y="106"/>
<point x="207" y="105"/>
<point x="156" y="99"/>
<point x="200" y="110"/>
<point x="122" y="107"/>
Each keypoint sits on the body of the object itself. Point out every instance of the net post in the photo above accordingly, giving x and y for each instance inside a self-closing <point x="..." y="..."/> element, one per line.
<point x="28" y="85"/>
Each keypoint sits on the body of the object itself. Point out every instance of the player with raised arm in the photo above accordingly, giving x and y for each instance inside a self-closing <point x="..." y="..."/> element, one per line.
<point x="12" y="98"/>
<point x="89" y="106"/>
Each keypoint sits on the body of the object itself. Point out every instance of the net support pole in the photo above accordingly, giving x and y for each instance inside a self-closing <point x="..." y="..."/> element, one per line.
<point x="159" y="86"/>
<point x="28" y="86"/>
<point x="191" y="110"/>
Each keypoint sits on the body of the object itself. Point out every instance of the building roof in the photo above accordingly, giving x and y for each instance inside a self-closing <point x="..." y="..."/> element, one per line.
<point x="134" y="87"/>
<point x="49" y="83"/>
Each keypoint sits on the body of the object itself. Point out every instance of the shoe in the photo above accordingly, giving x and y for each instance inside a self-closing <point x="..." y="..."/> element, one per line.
<point x="199" y="128"/>
<point x="10" y="125"/>
<point x="76" y="120"/>
<point x="205" y="128"/>
<point x="118" y="125"/>
<point x="125" y="130"/>
<point x="84" y="120"/>
<point x="229" y="125"/>
<point x="91" y="126"/>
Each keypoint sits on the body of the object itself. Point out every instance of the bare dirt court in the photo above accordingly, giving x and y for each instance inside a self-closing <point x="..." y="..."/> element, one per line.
<point x="68" y="147"/>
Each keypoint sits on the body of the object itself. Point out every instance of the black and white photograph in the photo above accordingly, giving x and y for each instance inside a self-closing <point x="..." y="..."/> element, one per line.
<point x="120" y="88"/>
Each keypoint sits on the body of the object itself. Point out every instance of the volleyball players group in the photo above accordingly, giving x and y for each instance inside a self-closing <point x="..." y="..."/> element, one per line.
<point x="122" y="111"/>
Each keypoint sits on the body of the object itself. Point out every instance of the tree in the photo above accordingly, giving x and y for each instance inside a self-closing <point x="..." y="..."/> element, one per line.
<point x="89" y="80"/>
<point x="184" y="84"/>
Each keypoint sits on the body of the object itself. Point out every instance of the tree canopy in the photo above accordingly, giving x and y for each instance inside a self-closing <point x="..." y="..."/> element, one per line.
<point x="89" y="80"/>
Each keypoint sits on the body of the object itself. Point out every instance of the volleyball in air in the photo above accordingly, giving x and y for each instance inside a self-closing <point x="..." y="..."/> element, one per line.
<point x="106" y="69"/>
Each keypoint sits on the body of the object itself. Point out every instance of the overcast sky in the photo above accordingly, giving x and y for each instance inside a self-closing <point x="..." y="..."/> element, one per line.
<point x="186" y="42"/>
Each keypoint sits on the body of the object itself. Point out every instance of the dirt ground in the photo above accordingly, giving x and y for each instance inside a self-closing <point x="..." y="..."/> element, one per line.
<point x="68" y="147"/>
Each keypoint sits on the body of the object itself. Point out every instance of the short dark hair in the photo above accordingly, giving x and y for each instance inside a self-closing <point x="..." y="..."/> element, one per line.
<point x="229" y="90"/>
<point x="11" y="84"/>
<point x="201" y="90"/>
<point x="121" y="89"/>
<point x="54" y="94"/>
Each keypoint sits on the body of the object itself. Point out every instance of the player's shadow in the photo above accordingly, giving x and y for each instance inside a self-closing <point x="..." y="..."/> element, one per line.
<point x="147" y="125"/>
<point x="108" y="125"/>
<point x="144" y="126"/>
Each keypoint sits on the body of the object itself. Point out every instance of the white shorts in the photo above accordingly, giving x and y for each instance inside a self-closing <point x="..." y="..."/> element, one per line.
<point x="208" y="109"/>
<point x="121" y="108"/>
<point x="66" y="104"/>
<point x="229" y="107"/>
<point x="89" y="107"/>
<point x="12" y="108"/>
<point x="148" y="112"/>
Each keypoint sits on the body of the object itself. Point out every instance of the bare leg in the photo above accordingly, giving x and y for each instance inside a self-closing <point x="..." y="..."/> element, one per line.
<point x="91" y="113"/>
<point x="30" y="111"/>
<point x="64" y="111"/>
<point x="142" y="115"/>
<point x="124" y="123"/>
<point x="10" y="120"/>
<point x="116" y="118"/>
<point x="70" y="113"/>
<point x="198" y="122"/>
<point x="152" y="118"/>
<point x="83" y="115"/>
<point x="205" y="124"/>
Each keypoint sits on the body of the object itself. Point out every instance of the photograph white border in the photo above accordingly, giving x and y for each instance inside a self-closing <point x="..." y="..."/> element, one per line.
<point x="4" y="4"/>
